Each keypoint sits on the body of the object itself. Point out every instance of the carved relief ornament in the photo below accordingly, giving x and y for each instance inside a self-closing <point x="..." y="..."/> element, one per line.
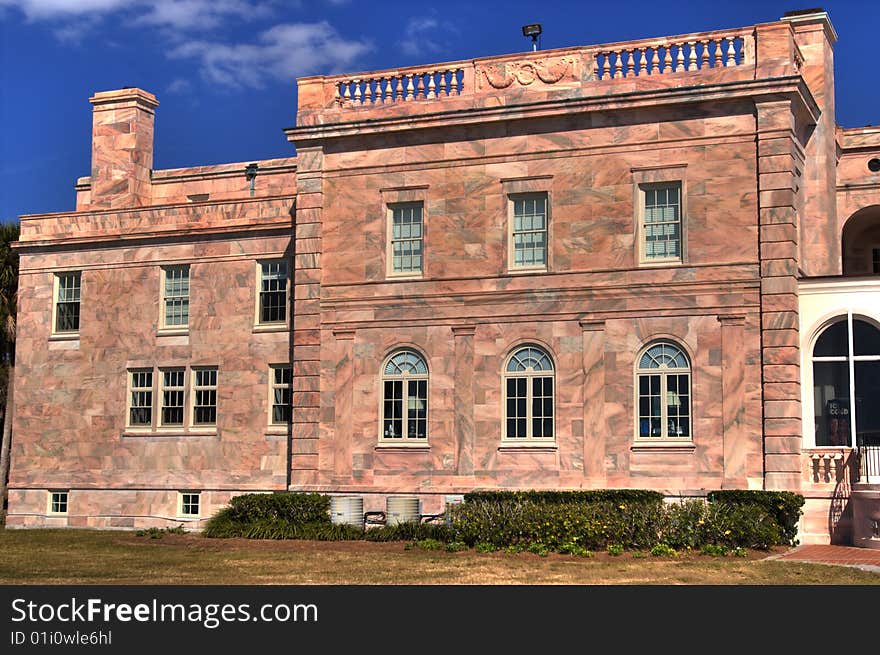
<point x="548" y="71"/>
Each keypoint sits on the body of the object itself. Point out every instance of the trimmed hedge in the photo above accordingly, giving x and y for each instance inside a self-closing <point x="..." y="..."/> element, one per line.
<point x="563" y="521"/>
<point x="783" y="506"/>
<point x="564" y="497"/>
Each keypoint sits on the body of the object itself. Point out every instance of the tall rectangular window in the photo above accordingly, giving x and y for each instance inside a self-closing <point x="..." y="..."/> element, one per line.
<point x="173" y="391"/>
<point x="175" y="296"/>
<point x="529" y="231"/>
<point x="204" y="396"/>
<point x="67" y="298"/>
<point x="406" y="238"/>
<point x="281" y="378"/>
<point x="661" y="222"/>
<point x="273" y="292"/>
<point x="140" y="409"/>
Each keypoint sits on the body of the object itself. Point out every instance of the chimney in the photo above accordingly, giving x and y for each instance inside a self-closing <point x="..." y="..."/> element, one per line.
<point x="122" y="148"/>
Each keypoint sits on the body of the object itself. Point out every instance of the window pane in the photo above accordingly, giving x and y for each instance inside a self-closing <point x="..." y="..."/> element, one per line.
<point x="867" y="377"/>
<point x="831" y="403"/>
<point x="833" y="342"/>
<point x="866" y="338"/>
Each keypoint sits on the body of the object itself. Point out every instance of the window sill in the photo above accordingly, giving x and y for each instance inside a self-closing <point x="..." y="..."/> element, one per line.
<point x="64" y="336"/>
<point x="658" y="263"/>
<point x="391" y="277"/>
<point x="173" y="332"/>
<point x="386" y="445"/>
<point x="531" y="446"/>
<point x="271" y="327"/>
<point x="169" y="433"/>
<point x="526" y="271"/>
<point x="663" y="447"/>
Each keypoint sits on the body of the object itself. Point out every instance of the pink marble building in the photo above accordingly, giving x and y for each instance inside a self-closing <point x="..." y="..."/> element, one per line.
<point x="650" y="264"/>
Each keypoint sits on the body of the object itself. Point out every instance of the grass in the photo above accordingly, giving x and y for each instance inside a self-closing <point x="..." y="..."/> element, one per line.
<point x="83" y="557"/>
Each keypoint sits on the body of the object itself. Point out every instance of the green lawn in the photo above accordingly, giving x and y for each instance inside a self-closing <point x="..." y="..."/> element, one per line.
<point x="110" y="557"/>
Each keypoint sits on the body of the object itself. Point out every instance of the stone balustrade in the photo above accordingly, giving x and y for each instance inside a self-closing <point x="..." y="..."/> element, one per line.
<point x="675" y="54"/>
<point x="541" y="70"/>
<point x="431" y="83"/>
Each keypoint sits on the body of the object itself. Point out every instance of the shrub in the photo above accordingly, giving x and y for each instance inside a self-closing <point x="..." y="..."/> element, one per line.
<point x="456" y="547"/>
<point x="783" y="506"/>
<point x="483" y="547"/>
<point x="538" y="548"/>
<point x="563" y="497"/>
<point x="408" y="531"/>
<point x="663" y="550"/>
<point x="430" y="544"/>
<point x="295" y="507"/>
<point x="570" y="548"/>
<point x="715" y="550"/>
<point x="744" y="526"/>
<point x="615" y="549"/>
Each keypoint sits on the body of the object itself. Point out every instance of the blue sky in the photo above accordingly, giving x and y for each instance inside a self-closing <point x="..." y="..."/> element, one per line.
<point x="225" y="71"/>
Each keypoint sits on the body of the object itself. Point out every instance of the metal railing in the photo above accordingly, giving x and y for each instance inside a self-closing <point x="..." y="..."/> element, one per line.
<point x="869" y="464"/>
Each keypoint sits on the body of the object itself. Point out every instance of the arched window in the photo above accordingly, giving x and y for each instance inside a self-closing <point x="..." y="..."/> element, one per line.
<point x="528" y="384"/>
<point x="846" y="379"/>
<point x="663" y="380"/>
<point x="405" y="398"/>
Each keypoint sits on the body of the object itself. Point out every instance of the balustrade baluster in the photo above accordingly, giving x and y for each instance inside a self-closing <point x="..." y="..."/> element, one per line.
<point x="692" y="57"/>
<point x="655" y="62"/>
<point x="409" y="87"/>
<point x="704" y="61"/>
<point x="431" y="93"/>
<point x="368" y="92"/>
<point x="606" y="66"/>
<point x="719" y="55"/>
<point x="731" y="53"/>
<point x="679" y="60"/>
<point x="643" y="62"/>
<point x="420" y="90"/>
<point x="667" y="59"/>
<point x="618" y="64"/>
<point x="442" y="88"/>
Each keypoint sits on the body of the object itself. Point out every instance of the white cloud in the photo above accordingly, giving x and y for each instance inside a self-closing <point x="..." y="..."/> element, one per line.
<point x="179" y="86"/>
<point x="285" y="52"/>
<point x="199" y="15"/>
<point x="422" y="36"/>
<point x="50" y="9"/>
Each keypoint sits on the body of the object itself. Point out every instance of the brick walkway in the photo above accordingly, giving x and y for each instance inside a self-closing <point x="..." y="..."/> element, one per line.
<point x="841" y="555"/>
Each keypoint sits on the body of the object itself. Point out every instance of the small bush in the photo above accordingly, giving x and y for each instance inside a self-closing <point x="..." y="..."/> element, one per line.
<point x="564" y="497"/>
<point x="430" y="544"/>
<point x="408" y="531"/>
<point x="715" y="550"/>
<point x="663" y="550"/>
<point x="538" y="548"/>
<point x="615" y="549"/>
<point x="456" y="547"/>
<point x="483" y="547"/>
<point x="570" y="548"/>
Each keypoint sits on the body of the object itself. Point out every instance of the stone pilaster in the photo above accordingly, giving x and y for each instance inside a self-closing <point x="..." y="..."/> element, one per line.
<point x="306" y="316"/>
<point x="595" y="428"/>
<point x="733" y="410"/>
<point x="780" y="156"/>
<point x="343" y="404"/>
<point x="464" y="399"/>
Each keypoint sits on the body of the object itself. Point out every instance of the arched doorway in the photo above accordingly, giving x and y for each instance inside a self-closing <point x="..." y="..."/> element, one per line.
<point x="861" y="242"/>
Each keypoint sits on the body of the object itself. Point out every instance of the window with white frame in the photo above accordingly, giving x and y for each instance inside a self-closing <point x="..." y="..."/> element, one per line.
<point x="204" y="396"/>
<point x="661" y="233"/>
<point x="846" y="384"/>
<point x="280" y="380"/>
<point x="405" y="398"/>
<point x="175" y="296"/>
<point x="529" y="395"/>
<point x="140" y="406"/>
<point x="190" y="503"/>
<point x="663" y="383"/>
<point x="173" y="392"/>
<point x="272" y="297"/>
<point x="58" y="502"/>
<point x="528" y="230"/>
<point x="67" y="302"/>
<point x="406" y="238"/>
